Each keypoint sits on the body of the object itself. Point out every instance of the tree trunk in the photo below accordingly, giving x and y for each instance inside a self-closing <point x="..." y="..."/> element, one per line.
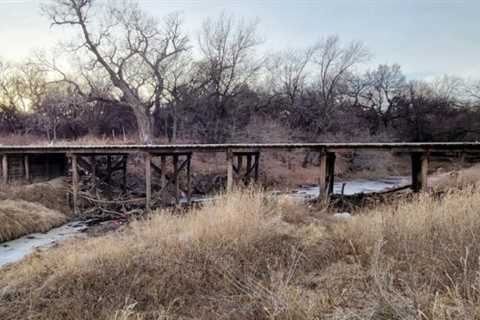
<point x="174" y="125"/>
<point x="144" y="124"/>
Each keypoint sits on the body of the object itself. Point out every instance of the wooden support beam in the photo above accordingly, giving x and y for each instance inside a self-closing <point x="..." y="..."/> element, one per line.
<point x="256" y="166"/>
<point x="26" y="166"/>
<point x="419" y="171"/>
<point x="189" y="179"/>
<point x="238" y="177"/>
<point x="5" y="169"/>
<point x="248" y="174"/>
<point x="252" y="166"/>
<point x="176" y="177"/>
<point x="124" y="172"/>
<point x="75" y="183"/>
<point x="83" y="163"/>
<point x="109" y="169"/>
<point x="322" y="177"/>
<point x="331" y="171"/>
<point x="229" y="171"/>
<point x="148" y="181"/>
<point x="163" y="177"/>
<point x="48" y="167"/>
<point x="93" y="168"/>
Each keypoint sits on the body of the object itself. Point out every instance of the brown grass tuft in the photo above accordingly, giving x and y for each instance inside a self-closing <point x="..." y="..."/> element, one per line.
<point x="19" y="218"/>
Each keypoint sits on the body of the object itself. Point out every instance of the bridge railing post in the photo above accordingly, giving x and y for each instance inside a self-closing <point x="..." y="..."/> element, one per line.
<point x="419" y="171"/>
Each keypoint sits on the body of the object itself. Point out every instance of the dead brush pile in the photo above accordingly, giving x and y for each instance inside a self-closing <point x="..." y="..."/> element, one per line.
<point x="247" y="256"/>
<point x="19" y="218"/>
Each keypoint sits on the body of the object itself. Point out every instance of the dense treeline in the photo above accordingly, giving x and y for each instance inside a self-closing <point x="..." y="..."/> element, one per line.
<point x="127" y="73"/>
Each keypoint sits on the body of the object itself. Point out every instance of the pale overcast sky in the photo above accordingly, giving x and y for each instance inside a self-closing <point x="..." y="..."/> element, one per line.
<point x="427" y="37"/>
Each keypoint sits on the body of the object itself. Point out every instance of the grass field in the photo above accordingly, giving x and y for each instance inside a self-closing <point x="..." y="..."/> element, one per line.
<point x="250" y="257"/>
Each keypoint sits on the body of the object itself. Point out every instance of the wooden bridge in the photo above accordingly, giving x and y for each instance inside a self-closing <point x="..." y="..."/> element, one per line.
<point x="242" y="161"/>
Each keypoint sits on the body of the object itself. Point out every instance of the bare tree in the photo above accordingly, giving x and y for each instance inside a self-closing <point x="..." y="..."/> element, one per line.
<point x="335" y="63"/>
<point x="131" y="49"/>
<point x="384" y="87"/>
<point x="289" y="71"/>
<point x="228" y="65"/>
<point x="449" y="87"/>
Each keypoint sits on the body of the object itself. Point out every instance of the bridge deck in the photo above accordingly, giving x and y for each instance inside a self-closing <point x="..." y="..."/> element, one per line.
<point x="135" y="148"/>
<point x="22" y="159"/>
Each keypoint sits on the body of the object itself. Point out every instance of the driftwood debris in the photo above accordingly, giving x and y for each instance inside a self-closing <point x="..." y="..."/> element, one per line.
<point x="361" y="200"/>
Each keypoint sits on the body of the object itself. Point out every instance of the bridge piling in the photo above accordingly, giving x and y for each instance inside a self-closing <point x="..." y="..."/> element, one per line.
<point x="26" y="168"/>
<point x="5" y="169"/>
<point x="75" y="182"/>
<point x="419" y="171"/>
<point x="331" y="157"/>
<point x="148" y="181"/>
<point x="230" y="167"/>
<point x="322" y="182"/>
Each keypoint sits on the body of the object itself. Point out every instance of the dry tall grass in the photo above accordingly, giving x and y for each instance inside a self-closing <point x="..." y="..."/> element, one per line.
<point x="19" y="218"/>
<point x="424" y="253"/>
<point x="51" y="194"/>
<point x="250" y="257"/>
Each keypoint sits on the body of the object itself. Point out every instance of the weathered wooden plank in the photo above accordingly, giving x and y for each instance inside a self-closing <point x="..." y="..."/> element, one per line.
<point x="185" y="148"/>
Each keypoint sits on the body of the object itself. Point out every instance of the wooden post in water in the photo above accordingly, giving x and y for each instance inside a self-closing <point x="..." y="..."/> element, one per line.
<point x="26" y="165"/>
<point x="148" y="181"/>
<point x="229" y="170"/>
<point x="322" y="178"/>
<point x="75" y="182"/>
<point x="419" y="171"/>
<point x="5" y="169"/>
